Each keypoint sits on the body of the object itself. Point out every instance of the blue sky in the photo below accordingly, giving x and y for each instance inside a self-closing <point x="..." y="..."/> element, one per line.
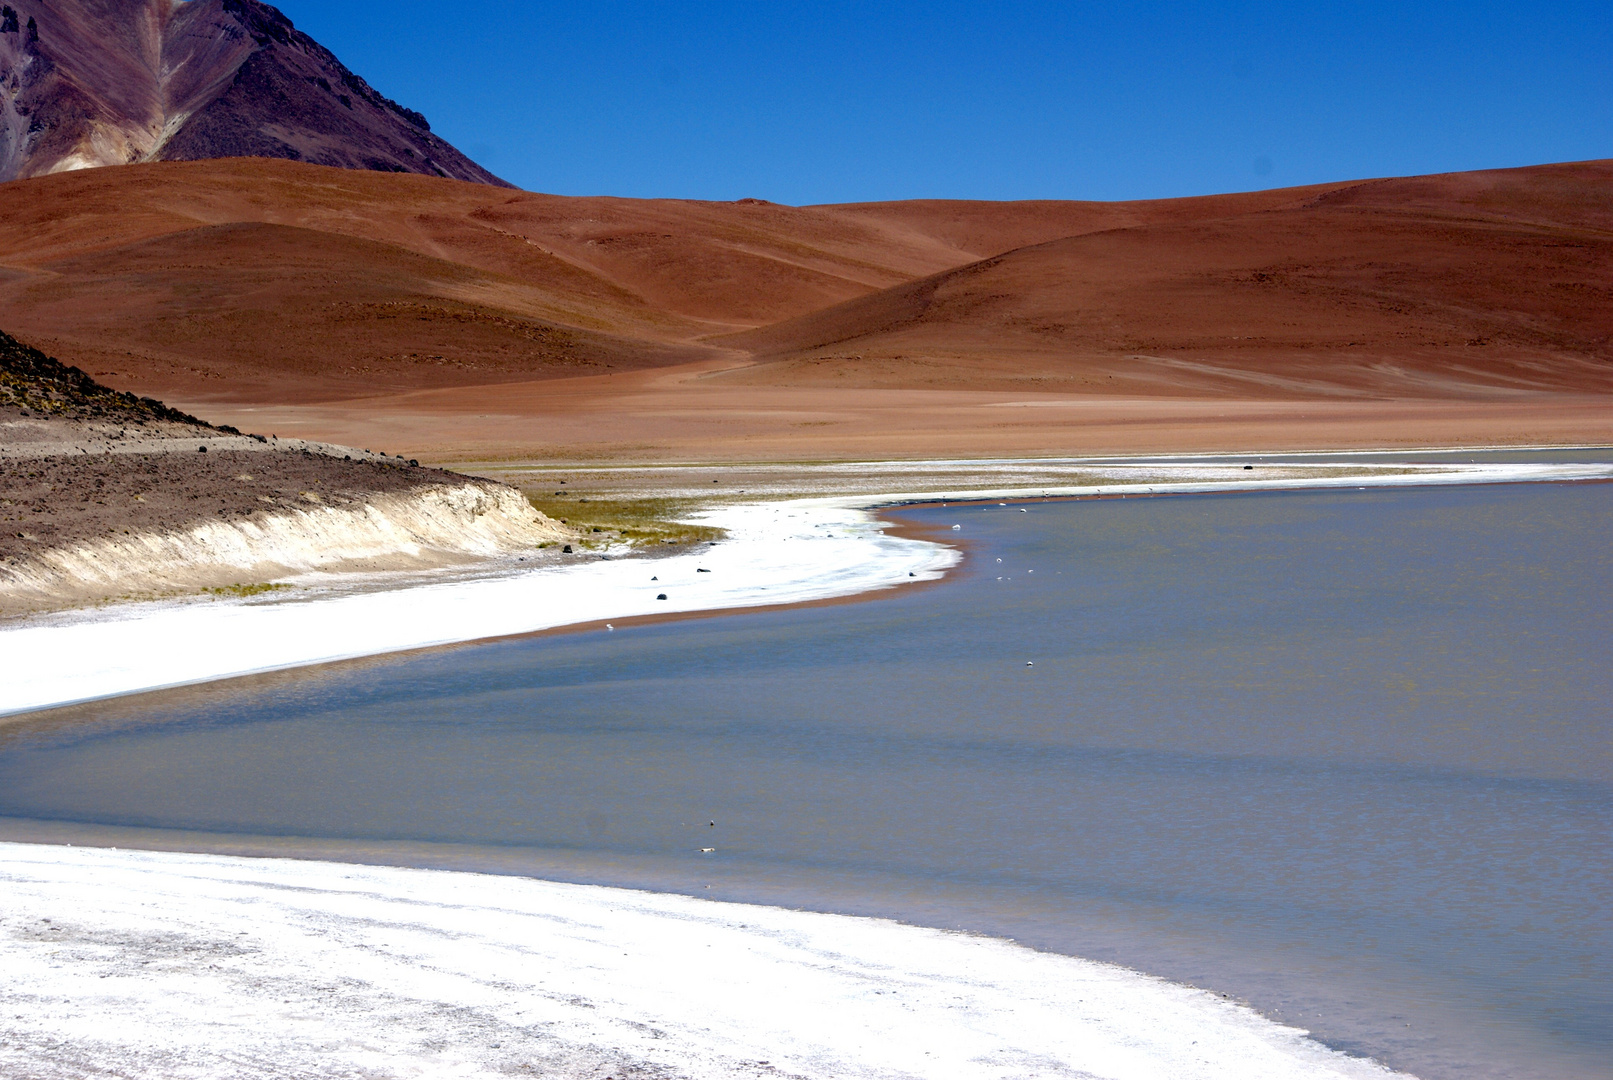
<point x="834" y="102"/>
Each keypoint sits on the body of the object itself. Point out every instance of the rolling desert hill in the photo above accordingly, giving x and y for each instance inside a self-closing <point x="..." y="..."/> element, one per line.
<point x="248" y="279"/>
<point x="89" y="83"/>
<point x="348" y="305"/>
<point x="1439" y="287"/>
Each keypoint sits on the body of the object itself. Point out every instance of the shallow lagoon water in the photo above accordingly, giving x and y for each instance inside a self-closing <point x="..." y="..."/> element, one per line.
<point x="1344" y="755"/>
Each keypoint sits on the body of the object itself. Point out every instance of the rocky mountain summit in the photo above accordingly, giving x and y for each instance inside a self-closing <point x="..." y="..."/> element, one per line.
<point x="85" y="83"/>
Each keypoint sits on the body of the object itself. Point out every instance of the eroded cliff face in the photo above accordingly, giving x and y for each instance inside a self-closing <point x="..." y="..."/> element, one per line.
<point x="87" y="83"/>
<point x="455" y="522"/>
<point x="106" y="495"/>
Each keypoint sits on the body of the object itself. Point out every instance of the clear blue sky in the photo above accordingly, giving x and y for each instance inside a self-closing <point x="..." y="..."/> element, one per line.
<point x="838" y="102"/>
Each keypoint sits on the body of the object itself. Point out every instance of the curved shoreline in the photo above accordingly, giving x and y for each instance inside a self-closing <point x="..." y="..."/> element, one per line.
<point x="193" y="964"/>
<point x="776" y="553"/>
<point x="613" y="1002"/>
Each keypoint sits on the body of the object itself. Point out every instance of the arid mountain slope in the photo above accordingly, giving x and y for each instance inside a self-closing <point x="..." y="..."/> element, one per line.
<point x="456" y="319"/>
<point x="1446" y="286"/>
<point x="267" y="280"/>
<point x="109" y="82"/>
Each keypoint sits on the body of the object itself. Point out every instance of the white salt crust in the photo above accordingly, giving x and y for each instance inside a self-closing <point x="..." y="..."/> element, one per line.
<point x="161" y="965"/>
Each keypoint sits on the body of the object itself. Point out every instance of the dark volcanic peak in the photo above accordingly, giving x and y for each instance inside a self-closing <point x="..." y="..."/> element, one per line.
<point x="85" y="83"/>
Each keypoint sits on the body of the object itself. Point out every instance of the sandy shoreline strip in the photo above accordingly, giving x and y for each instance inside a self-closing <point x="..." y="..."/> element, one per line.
<point x="148" y="964"/>
<point x="778" y="552"/>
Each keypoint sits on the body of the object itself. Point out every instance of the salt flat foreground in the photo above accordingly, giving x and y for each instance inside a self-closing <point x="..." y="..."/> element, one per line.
<point x="142" y="964"/>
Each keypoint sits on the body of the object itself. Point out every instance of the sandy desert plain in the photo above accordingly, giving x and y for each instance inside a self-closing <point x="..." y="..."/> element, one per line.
<point x="682" y="388"/>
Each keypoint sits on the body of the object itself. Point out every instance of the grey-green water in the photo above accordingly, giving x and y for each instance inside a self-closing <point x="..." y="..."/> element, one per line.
<point x="1345" y="755"/>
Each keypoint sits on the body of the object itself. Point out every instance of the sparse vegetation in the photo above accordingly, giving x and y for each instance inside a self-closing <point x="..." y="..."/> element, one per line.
<point x="637" y="521"/>
<point x="246" y="590"/>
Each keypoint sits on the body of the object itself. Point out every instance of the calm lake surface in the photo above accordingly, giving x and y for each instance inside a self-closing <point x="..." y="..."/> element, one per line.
<point x="1345" y="755"/>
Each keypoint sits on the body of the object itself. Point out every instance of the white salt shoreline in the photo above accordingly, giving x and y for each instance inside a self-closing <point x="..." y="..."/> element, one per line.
<point x="162" y="965"/>
<point x="782" y="552"/>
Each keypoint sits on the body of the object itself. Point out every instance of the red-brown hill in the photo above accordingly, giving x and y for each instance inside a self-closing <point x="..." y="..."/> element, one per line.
<point x="263" y="280"/>
<point x="1440" y="286"/>
<point x="454" y="318"/>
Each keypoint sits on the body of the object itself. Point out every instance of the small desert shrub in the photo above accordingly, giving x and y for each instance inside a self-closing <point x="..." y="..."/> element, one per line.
<point x="638" y="521"/>
<point x="245" y="590"/>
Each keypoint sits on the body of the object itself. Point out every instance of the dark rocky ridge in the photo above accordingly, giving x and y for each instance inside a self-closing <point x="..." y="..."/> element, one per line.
<point x="37" y="385"/>
<point x="109" y="82"/>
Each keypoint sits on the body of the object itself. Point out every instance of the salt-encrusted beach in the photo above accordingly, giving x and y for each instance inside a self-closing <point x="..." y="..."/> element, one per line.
<point x="778" y="552"/>
<point x="166" y="965"/>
